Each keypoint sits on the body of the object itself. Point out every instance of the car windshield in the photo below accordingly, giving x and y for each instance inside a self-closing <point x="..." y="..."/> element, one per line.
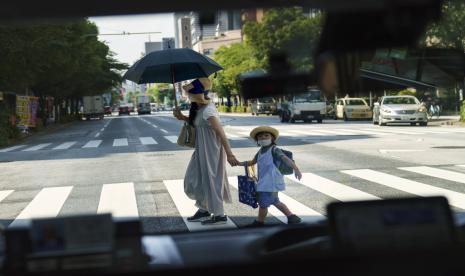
<point x="355" y="102"/>
<point x="192" y="161"/>
<point x="400" y="100"/>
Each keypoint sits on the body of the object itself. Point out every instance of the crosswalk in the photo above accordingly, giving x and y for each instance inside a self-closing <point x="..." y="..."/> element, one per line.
<point x="122" y="199"/>
<point x="241" y="134"/>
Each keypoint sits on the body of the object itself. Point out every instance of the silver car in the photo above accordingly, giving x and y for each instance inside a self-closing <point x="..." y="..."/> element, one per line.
<point x="399" y="109"/>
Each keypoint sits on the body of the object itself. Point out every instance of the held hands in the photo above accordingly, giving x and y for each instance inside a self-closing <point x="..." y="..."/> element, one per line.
<point x="233" y="161"/>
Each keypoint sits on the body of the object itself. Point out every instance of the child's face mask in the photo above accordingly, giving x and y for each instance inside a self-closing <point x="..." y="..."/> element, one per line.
<point x="264" y="143"/>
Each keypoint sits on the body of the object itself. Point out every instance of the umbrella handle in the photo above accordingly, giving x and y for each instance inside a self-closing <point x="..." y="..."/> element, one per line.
<point x="174" y="88"/>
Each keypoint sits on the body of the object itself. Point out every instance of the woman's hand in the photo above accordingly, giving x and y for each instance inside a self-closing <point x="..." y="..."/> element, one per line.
<point x="233" y="161"/>
<point x="177" y="113"/>
<point x="298" y="174"/>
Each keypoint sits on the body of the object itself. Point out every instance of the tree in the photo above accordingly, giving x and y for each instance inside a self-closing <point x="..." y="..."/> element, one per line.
<point x="285" y="30"/>
<point x="449" y="32"/>
<point x="235" y="59"/>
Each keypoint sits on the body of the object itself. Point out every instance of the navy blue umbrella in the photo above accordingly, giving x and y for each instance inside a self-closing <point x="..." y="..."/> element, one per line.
<point x="171" y="66"/>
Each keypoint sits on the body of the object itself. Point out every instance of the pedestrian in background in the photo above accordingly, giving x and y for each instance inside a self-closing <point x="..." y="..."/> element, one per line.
<point x="206" y="180"/>
<point x="270" y="179"/>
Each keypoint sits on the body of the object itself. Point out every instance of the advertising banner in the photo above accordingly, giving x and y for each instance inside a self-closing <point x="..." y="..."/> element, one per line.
<point x="26" y="109"/>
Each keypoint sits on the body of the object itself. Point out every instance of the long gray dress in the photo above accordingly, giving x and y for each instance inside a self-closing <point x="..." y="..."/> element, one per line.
<point x="206" y="180"/>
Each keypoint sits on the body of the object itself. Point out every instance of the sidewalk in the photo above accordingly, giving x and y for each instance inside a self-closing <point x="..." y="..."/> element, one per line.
<point x="446" y="120"/>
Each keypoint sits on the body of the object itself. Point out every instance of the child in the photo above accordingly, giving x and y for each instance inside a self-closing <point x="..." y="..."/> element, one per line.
<point x="270" y="179"/>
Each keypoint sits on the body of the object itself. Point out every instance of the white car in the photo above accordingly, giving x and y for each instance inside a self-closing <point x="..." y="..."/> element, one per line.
<point x="352" y="108"/>
<point x="399" y="109"/>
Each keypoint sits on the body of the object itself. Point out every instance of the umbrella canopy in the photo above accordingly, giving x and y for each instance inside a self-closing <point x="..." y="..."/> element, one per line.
<point x="171" y="66"/>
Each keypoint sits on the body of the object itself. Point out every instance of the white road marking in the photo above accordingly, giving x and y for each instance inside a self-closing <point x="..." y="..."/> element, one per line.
<point x="102" y="129"/>
<point x="438" y="173"/>
<point x="38" y="147"/>
<point x="4" y="194"/>
<point x="331" y="188"/>
<point x="365" y="132"/>
<point x="461" y="166"/>
<point x="97" y="135"/>
<point x="123" y="142"/>
<point x="47" y="203"/>
<point x="12" y="148"/>
<point x="92" y="144"/>
<point x="154" y="126"/>
<point x="66" y="145"/>
<point x="172" y="139"/>
<point x="384" y="151"/>
<point x="118" y="199"/>
<point x="394" y="131"/>
<point x="186" y="206"/>
<point x="235" y="137"/>
<point x="147" y="141"/>
<point x="163" y="130"/>
<point x="307" y="214"/>
<point x="306" y="132"/>
<point x="413" y="187"/>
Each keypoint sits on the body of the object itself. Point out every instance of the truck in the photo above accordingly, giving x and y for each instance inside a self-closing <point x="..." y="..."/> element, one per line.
<point x="143" y="105"/>
<point x="92" y="107"/>
<point x="306" y="106"/>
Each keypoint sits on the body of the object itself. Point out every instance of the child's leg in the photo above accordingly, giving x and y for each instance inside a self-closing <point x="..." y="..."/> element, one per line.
<point x="262" y="212"/>
<point x="283" y="208"/>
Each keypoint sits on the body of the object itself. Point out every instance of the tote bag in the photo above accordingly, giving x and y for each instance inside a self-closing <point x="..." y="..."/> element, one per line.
<point x="187" y="136"/>
<point x="247" y="187"/>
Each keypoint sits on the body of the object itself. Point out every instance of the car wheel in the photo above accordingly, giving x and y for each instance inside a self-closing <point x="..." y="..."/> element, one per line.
<point x="413" y="124"/>
<point x="424" y="124"/>
<point x="374" y="121"/>
<point x="345" y="117"/>
<point x="320" y="121"/>
<point x="292" y="120"/>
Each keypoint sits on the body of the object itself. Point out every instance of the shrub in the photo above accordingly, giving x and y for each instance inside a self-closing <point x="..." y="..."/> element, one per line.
<point x="462" y="112"/>
<point x="223" y="108"/>
<point x="7" y="130"/>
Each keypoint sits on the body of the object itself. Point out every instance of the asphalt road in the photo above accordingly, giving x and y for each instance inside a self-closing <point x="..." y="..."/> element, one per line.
<point x="131" y="166"/>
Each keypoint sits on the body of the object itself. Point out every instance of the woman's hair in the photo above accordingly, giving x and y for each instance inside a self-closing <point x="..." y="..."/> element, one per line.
<point x="193" y="113"/>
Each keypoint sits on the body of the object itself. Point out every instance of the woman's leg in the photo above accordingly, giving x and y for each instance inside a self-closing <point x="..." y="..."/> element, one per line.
<point x="262" y="212"/>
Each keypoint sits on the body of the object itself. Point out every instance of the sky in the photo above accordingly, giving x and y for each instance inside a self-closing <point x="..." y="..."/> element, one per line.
<point x="129" y="48"/>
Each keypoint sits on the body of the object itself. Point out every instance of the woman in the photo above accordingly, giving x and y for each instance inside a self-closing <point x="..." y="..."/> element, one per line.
<point x="206" y="181"/>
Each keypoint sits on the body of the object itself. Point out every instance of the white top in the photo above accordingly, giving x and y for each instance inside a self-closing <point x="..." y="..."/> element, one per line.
<point x="210" y="111"/>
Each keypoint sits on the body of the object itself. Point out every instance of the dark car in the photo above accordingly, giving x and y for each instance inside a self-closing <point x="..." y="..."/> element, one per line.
<point x="124" y="109"/>
<point x="107" y="110"/>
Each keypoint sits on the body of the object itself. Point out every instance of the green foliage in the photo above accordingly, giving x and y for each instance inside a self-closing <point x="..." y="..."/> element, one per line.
<point x="462" y="112"/>
<point x="408" y="92"/>
<point x="236" y="59"/>
<point x="449" y="32"/>
<point x="7" y="131"/>
<point x="223" y="108"/>
<point x="285" y="30"/>
<point x="60" y="60"/>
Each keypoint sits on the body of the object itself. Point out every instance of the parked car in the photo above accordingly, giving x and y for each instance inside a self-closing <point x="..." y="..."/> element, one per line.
<point x="107" y="110"/>
<point x="266" y="105"/>
<point x="399" y="109"/>
<point x="124" y="109"/>
<point x="353" y="108"/>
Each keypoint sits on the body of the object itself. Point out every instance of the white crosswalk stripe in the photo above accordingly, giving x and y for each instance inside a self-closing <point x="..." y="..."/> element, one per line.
<point x="172" y="139"/>
<point x="12" y="148"/>
<point x="147" y="141"/>
<point x="47" y="203"/>
<point x="66" y="145"/>
<point x="92" y="144"/>
<point x="394" y="131"/>
<point x="413" y="187"/>
<point x="4" y="194"/>
<point x="438" y="173"/>
<point x="331" y="188"/>
<point x="307" y="214"/>
<point x="118" y="199"/>
<point x="186" y="206"/>
<point x="235" y="137"/>
<point x="366" y="132"/>
<point x="38" y="147"/>
<point x="122" y="142"/>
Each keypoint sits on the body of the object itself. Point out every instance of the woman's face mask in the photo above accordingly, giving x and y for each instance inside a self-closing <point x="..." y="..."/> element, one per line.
<point x="265" y="142"/>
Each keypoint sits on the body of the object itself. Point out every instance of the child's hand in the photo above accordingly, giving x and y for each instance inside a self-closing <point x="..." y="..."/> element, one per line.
<point x="298" y="174"/>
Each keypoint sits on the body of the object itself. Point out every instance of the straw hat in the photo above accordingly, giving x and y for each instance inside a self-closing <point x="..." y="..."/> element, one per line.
<point x="257" y="130"/>
<point x="198" y="90"/>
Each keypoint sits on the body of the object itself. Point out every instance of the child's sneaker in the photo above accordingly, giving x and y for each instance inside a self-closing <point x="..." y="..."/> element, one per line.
<point x="293" y="219"/>
<point x="216" y="220"/>
<point x="200" y="215"/>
